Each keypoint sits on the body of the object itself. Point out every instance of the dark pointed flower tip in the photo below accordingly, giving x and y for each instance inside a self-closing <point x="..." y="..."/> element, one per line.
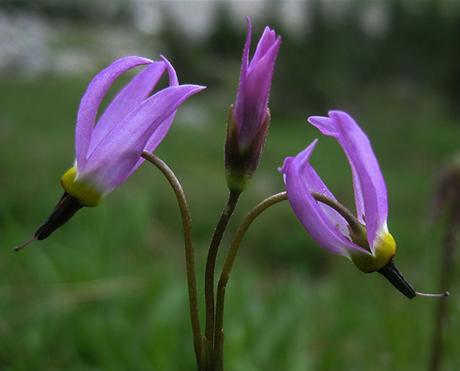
<point x="63" y="211"/>
<point x="392" y="274"/>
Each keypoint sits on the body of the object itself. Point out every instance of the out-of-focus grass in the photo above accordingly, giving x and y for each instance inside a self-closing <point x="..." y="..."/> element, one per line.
<point x="107" y="291"/>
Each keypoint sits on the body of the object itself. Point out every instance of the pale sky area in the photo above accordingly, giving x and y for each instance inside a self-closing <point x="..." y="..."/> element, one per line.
<point x="28" y="40"/>
<point x="196" y="17"/>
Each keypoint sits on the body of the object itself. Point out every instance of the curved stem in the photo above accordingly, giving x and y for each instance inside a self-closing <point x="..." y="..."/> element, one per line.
<point x="228" y="265"/>
<point x="352" y="221"/>
<point x="211" y="262"/>
<point x="189" y="252"/>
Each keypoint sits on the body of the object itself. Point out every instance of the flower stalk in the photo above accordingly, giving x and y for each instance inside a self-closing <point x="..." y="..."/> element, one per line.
<point x="189" y="250"/>
<point x="216" y="240"/>
<point x="247" y="127"/>
<point x="228" y="265"/>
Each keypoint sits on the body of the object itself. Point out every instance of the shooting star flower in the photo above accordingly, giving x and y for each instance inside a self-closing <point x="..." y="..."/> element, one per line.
<point x="108" y="149"/>
<point x="364" y="237"/>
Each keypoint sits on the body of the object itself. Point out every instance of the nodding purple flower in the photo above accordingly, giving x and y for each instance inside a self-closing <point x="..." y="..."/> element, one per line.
<point x="249" y="117"/>
<point x="108" y="148"/>
<point x="363" y="237"/>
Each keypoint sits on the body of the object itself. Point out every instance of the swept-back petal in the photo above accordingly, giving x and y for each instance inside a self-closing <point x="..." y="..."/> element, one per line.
<point x="159" y="134"/>
<point x="155" y="140"/>
<point x="173" y="80"/>
<point x="369" y="185"/>
<point x="325" y="225"/>
<point x="89" y="104"/>
<point x="112" y="160"/>
<point x="132" y="94"/>
<point x="329" y="128"/>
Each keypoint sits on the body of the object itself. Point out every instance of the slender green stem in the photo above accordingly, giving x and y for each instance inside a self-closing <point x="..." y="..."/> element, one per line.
<point x="445" y="279"/>
<point x="189" y="251"/>
<point x="211" y="262"/>
<point x="228" y="265"/>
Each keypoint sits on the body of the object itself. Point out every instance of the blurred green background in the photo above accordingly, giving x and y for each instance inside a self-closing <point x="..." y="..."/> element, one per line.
<point x="107" y="291"/>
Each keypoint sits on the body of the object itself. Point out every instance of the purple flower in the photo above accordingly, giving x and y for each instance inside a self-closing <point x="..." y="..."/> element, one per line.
<point x="108" y="149"/>
<point x="363" y="237"/>
<point x="249" y="116"/>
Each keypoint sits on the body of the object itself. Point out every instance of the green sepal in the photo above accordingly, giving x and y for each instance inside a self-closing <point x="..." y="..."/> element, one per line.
<point x="241" y="161"/>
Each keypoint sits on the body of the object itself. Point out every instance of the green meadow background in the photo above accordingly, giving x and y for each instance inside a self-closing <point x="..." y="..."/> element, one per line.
<point x="107" y="291"/>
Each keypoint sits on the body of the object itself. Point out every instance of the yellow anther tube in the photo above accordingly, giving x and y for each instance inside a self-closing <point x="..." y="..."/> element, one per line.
<point x="86" y="193"/>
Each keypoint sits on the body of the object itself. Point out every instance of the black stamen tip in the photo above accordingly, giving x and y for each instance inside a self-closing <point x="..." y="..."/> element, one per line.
<point x="392" y="274"/>
<point x="64" y="210"/>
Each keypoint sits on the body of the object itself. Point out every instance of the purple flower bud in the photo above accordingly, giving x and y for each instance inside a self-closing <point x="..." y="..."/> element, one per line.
<point x="249" y="117"/>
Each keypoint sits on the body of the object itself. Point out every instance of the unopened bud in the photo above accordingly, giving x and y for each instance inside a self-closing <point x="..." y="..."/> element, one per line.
<point x="241" y="160"/>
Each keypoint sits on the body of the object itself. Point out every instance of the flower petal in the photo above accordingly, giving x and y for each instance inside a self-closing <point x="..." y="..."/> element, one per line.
<point x="370" y="190"/>
<point x="89" y="104"/>
<point x="258" y="84"/>
<point x="173" y="81"/>
<point x="133" y="93"/>
<point x="159" y="134"/>
<point x="155" y="140"/>
<point x="265" y="43"/>
<point x="323" y="223"/>
<point x="113" y="159"/>
<point x="327" y="127"/>
<point x="240" y="94"/>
